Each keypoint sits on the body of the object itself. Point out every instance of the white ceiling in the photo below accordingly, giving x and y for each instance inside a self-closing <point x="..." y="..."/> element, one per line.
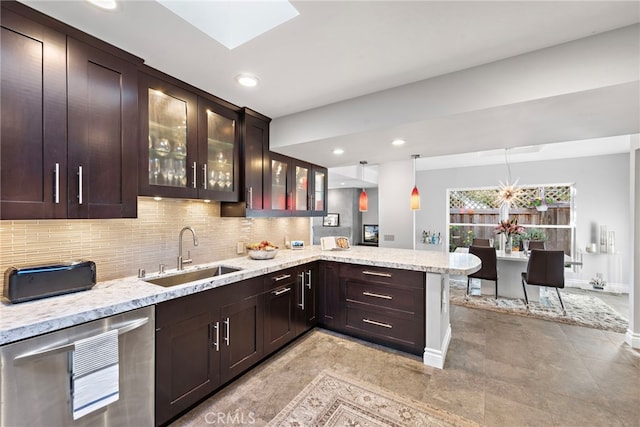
<point x="338" y="50"/>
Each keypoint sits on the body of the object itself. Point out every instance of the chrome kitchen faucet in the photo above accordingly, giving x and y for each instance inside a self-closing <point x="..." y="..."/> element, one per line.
<point x="195" y="243"/>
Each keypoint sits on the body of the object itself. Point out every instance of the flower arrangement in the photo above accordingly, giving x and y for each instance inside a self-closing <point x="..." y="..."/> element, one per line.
<point x="509" y="228"/>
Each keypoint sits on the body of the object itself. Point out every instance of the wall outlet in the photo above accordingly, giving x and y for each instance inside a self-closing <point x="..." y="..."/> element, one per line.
<point x="239" y="248"/>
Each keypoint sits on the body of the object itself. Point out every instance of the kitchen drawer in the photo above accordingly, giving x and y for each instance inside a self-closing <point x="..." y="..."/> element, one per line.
<point x="367" y="273"/>
<point x="396" y="329"/>
<point x="280" y="279"/>
<point x="408" y="300"/>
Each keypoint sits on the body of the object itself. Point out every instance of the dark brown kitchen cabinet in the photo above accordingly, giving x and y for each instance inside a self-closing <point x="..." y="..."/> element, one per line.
<point x="102" y="132"/>
<point x="187" y="355"/>
<point x="320" y="182"/>
<point x="254" y="200"/>
<point x="297" y="188"/>
<point x="329" y="295"/>
<point x="291" y="305"/>
<point x="280" y="309"/>
<point x="34" y="133"/>
<point x="241" y="335"/>
<point x="383" y="305"/>
<point x="307" y="298"/>
<point x="190" y="143"/>
<point x="203" y="341"/>
<point x="68" y="123"/>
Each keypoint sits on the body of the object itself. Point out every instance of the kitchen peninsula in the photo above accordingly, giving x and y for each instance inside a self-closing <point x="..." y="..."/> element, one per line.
<point x="228" y="323"/>
<point x="21" y="321"/>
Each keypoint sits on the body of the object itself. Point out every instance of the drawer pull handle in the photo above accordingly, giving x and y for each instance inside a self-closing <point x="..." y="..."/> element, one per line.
<point x="284" y="276"/>
<point x="373" y="322"/>
<point x="281" y="291"/>
<point x="375" y="273"/>
<point x="371" y="294"/>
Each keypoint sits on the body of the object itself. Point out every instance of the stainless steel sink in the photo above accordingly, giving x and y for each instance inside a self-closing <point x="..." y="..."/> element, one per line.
<point x="191" y="276"/>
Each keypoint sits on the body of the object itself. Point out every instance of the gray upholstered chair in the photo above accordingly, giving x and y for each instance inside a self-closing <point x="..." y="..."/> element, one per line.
<point x="489" y="267"/>
<point x="545" y="268"/>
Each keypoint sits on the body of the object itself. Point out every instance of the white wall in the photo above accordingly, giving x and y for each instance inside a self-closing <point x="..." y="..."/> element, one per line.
<point x="602" y="198"/>
<point x="395" y="181"/>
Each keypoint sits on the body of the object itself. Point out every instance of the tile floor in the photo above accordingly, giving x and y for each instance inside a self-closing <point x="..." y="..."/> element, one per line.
<point x="501" y="370"/>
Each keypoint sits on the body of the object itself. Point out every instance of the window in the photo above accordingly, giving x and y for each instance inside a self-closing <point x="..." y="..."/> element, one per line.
<point x="545" y="212"/>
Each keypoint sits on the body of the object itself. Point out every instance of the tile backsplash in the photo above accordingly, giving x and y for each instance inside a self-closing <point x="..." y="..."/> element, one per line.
<point x="120" y="247"/>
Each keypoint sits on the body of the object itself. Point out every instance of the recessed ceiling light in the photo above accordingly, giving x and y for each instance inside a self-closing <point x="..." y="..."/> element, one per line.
<point x="247" y="80"/>
<point x="104" y="4"/>
<point x="338" y="151"/>
<point x="398" y="142"/>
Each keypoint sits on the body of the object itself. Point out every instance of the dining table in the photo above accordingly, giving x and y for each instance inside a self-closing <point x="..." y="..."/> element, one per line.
<point x="510" y="268"/>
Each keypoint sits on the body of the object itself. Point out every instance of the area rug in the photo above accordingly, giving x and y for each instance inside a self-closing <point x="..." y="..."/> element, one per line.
<point x="332" y="400"/>
<point x="583" y="310"/>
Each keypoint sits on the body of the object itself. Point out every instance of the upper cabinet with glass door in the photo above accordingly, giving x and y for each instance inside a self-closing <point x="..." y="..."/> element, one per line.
<point x="319" y="193"/>
<point x="168" y="122"/>
<point x="192" y="144"/>
<point x="218" y="154"/>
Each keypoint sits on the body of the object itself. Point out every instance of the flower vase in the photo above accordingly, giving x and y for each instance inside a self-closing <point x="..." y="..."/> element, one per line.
<point x="508" y="245"/>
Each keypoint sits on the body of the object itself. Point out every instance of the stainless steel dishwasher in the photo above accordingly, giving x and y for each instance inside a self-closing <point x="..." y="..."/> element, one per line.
<point x="37" y="376"/>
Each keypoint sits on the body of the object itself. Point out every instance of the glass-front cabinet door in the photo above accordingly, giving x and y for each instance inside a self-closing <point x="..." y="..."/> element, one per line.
<point x="319" y="198"/>
<point x="218" y="152"/>
<point x="302" y="173"/>
<point x="168" y="125"/>
<point x="193" y="144"/>
<point x="167" y="140"/>
<point x="280" y="184"/>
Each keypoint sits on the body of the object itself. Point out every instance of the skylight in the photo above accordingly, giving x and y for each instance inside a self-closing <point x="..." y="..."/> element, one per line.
<point x="233" y="23"/>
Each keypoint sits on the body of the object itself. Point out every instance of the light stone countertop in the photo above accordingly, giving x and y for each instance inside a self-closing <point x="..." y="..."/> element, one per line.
<point x="28" y="319"/>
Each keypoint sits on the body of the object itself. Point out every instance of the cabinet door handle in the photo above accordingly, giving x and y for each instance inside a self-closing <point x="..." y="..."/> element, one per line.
<point x="250" y="198"/>
<point x="375" y="273"/>
<point x="309" y="279"/>
<point x="281" y="291"/>
<point x="226" y="338"/>
<point x="301" y="305"/>
<point x="216" y="343"/>
<point x="194" y="174"/>
<point x="56" y="185"/>
<point x="373" y="322"/>
<point x="79" y="185"/>
<point x="371" y="294"/>
<point x="204" y="176"/>
<point x="284" y="276"/>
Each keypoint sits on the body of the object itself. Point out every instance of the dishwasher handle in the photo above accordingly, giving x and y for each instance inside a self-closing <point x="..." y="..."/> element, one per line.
<point x="37" y="354"/>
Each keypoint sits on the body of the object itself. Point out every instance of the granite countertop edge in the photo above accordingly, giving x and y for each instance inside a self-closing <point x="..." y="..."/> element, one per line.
<point x="29" y="319"/>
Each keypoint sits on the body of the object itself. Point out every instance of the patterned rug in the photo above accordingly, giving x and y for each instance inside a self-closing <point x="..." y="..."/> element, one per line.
<point x="583" y="310"/>
<point x="333" y="400"/>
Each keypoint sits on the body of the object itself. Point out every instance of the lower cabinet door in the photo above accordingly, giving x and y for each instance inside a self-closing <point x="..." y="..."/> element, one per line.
<point x="279" y="327"/>
<point x="187" y="365"/>
<point x="307" y="298"/>
<point x="241" y="343"/>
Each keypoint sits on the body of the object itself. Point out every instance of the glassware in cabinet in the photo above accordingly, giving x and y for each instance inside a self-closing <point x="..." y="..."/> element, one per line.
<point x="167" y="140"/>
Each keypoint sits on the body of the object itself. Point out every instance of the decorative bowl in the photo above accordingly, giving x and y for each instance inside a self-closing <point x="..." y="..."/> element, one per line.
<point x="264" y="254"/>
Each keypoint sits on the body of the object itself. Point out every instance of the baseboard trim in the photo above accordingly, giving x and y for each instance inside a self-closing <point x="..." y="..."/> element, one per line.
<point x="436" y="358"/>
<point x="632" y="338"/>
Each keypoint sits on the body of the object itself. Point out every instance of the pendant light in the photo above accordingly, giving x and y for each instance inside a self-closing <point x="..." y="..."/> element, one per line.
<point x="363" y="202"/>
<point x="415" y="194"/>
<point x="509" y="193"/>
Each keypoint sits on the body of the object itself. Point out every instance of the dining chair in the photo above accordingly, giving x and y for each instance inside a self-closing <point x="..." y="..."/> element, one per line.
<point x="489" y="267"/>
<point x="544" y="268"/>
<point x="480" y="242"/>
